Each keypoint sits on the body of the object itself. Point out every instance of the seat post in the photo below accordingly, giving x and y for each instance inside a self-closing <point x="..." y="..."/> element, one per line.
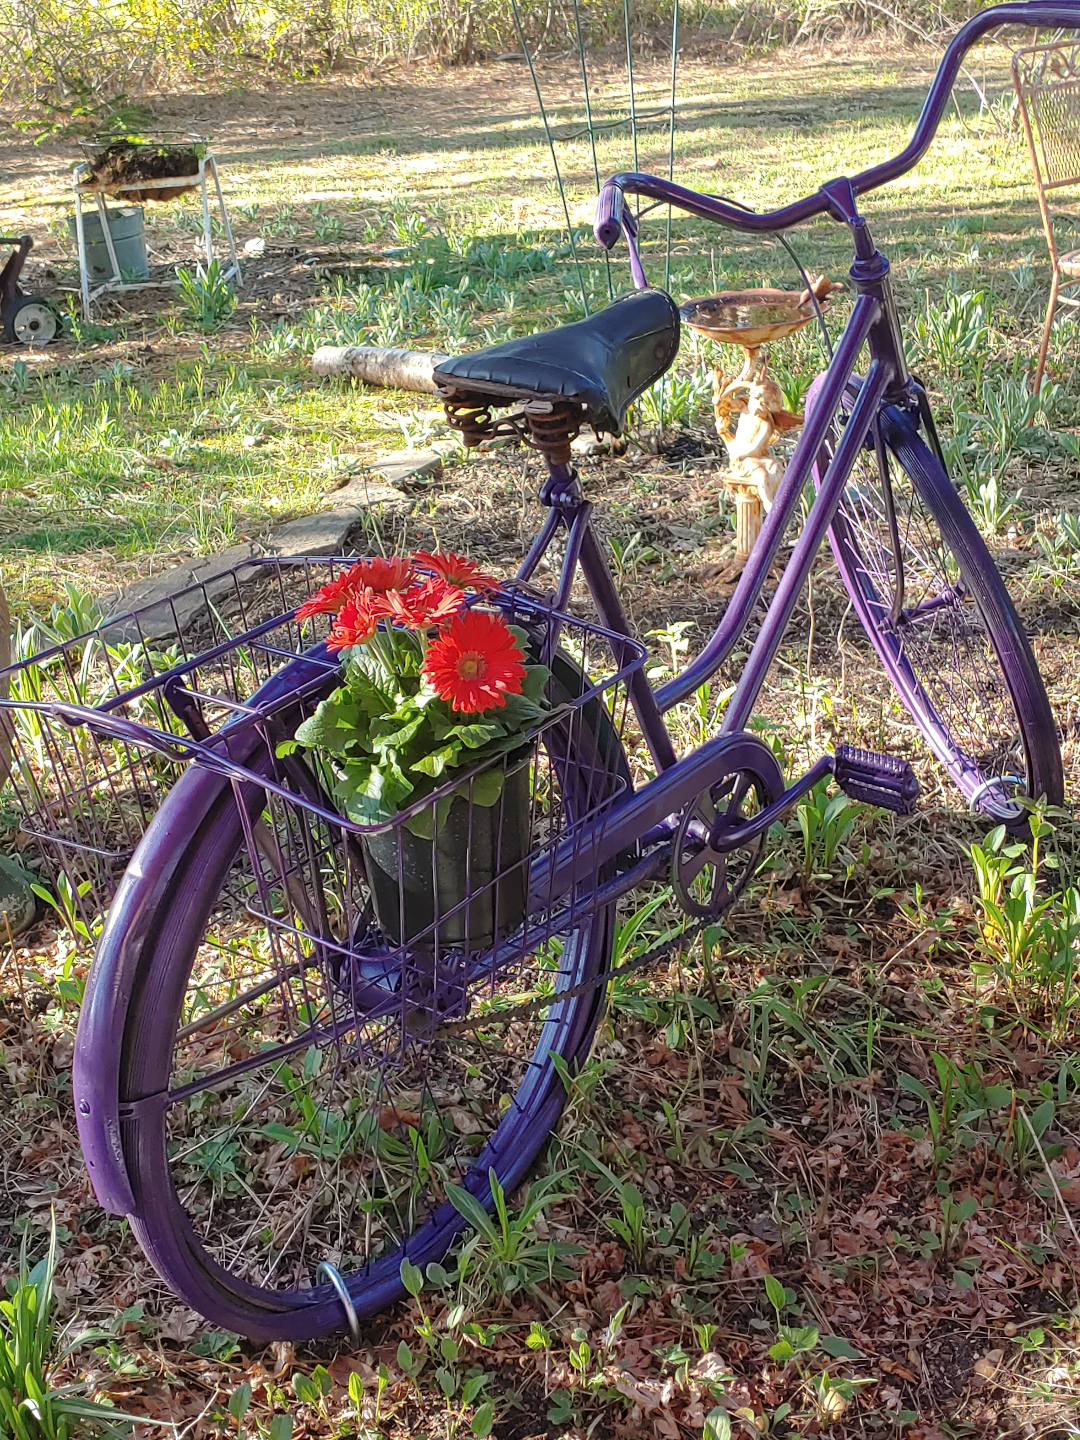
<point x="552" y="427"/>
<point x="562" y="488"/>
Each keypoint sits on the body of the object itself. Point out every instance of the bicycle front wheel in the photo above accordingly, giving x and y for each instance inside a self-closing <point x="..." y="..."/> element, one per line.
<point x="944" y="627"/>
<point x="283" y="1108"/>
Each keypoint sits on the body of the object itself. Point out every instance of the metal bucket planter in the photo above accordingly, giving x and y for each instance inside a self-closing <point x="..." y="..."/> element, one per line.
<point x="129" y="242"/>
<point x="465" y="887"/>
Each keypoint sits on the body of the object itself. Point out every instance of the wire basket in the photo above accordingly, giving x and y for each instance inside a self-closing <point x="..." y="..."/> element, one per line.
<point x="98" y="730"/>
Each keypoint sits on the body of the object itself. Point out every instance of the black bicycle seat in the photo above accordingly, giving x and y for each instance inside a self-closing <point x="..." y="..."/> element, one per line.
<point x="602" y="363"/>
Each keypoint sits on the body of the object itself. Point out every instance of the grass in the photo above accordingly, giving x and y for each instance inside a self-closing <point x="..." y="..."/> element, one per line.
<point x="819" y="1173"/>
<point x="453" y="240"/>
<point x="31" y="1406"/>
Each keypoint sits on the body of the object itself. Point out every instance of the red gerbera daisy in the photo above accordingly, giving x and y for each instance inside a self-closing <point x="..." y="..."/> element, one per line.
<point x="355" y="623"/>
<point x="375" y="574"/>
<point x="329" y="598"/>
<point x="475" y="663"/>
<point x="457" y="569"/>
<point x="422" y="606"/>
<point x="378" y="574"/>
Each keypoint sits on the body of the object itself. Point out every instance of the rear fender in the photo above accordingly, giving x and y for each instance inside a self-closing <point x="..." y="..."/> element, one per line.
<point x="95" y="1074"/>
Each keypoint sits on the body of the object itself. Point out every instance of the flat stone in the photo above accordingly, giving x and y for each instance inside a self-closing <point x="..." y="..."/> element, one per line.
<point x="173" y="611"/>
<point x="365" y="490"/>
<point x="447" y="446"/>
<point x="406" y="465"/>
<point x="17" y="900"/>
<point x="324" y="533"/>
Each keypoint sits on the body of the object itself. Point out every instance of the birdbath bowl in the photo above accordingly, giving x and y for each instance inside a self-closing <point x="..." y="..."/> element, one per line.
<point x="750" y="318"/>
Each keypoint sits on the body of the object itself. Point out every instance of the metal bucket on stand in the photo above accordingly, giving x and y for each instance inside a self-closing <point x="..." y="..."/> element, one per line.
<point x="129" y="242"/>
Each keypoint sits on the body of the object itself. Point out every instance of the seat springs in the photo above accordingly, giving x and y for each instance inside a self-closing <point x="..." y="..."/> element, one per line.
<point x="546" y="426"/>
<point x="475" y="423"/>
<point x="553" y="431"/>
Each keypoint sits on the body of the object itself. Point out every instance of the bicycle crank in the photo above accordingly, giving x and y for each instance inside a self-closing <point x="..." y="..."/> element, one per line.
<point x="709" y="868"/>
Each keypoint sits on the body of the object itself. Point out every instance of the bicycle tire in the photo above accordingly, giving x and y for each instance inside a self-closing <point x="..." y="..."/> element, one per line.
<point x="958" y="658"/>
<point x="214" y="1267"/>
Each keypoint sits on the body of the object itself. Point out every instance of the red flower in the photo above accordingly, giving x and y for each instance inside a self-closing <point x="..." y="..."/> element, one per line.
<point x="378" y="574"/>
<point x="457" y="569"/>
<point x="375" y="574"/>
<point x="475" y="663"/>
<point x="355" y="623"/>
<point x="422" y="606"/>
<point x="329" y="599"/>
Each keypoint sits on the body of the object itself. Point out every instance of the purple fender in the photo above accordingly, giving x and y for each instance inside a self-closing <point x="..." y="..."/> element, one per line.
<point x="95" y="1072"/>
<point x="99" y="1042"/>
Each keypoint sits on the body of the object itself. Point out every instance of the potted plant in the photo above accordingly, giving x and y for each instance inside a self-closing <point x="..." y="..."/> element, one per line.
<point x="428" y="740"/>
<point x="125" y="164"/>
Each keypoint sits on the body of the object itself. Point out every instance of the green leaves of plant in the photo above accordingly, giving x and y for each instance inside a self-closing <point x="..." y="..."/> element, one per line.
<point x="839" y="1348"/>
<point x="515" y="1256"/>
<point x="240" y="1401"/>
<point x="209" y="295"/>
<point x="30" y="1408"/>
<point x="794" y="1340"/>
<point x="824" y="823"/>
<point x="776" y="1293"/>
<point x="391" y="740"/>
<point x="482" y="1421"/>
<point x="407" y="1364"/>
<point x="412" y="1277"/>
<point x="467" y="1205"/>
<point x="717" y="1425"/>
<point x="314" y="1388"/>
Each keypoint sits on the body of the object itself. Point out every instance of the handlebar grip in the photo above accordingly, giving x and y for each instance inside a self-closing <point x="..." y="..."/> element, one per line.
<point x="609" y="209"/>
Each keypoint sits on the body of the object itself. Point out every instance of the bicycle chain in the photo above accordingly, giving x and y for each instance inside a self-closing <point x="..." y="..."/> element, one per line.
<point x="652" y="956"/>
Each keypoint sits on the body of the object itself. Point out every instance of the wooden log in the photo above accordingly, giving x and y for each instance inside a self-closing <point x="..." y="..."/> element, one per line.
<point x="377" y="365"/>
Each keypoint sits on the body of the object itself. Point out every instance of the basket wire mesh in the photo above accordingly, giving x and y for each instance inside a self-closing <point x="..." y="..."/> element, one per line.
<point x="336" y="1055"/>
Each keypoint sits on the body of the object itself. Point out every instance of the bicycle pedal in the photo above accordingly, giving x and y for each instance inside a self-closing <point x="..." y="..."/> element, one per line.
<point x="883" y="780"/>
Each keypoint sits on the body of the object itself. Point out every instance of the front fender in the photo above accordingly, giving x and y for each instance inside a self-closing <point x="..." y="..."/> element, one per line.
<point x="95" y="1071"/>
<point x="147" y="881"/>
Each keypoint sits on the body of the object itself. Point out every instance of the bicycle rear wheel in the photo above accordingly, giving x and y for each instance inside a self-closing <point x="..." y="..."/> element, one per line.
<point x="279" y="1109"/>
<point x="956" y="651"/>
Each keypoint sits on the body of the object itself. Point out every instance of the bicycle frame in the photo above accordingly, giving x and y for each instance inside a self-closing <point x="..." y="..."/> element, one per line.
<point x="650" y="811"/>
<point x="127" y="1071"/>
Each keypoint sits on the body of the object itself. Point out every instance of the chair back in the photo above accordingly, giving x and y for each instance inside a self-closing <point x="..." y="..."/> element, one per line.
<point x="1047" y="81"/>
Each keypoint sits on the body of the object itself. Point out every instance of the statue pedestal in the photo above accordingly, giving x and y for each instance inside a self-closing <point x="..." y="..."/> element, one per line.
<point x="749" y="518"/>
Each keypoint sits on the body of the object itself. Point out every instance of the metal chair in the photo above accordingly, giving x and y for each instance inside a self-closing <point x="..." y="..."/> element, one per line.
<point x="1047" y="80"/>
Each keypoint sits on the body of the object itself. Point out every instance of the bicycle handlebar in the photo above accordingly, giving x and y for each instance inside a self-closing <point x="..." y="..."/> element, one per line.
<point x="610" y="218"/>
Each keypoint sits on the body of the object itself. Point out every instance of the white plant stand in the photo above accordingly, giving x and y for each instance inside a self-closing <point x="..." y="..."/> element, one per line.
<point x="115" y="282"/>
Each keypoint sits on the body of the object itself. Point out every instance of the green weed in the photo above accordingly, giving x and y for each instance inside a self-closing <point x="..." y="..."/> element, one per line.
<point x="505" y="1255"/>
<point x="31" y="1406"/>
<point x="825" y="822"/>
<point x="210" y="296"/>
<point x="1029" y="936"/>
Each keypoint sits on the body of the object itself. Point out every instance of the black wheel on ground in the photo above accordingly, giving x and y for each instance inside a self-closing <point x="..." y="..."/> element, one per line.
<point x="29" y="321"/>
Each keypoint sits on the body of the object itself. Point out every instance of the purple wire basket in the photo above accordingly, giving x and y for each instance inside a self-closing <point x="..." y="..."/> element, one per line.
<point x="100" y="729"/>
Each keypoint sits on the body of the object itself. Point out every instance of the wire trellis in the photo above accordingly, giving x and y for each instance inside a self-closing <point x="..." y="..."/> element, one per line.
<point x="592" y="127"/>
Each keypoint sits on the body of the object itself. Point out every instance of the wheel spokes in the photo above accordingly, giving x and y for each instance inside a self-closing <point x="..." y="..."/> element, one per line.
<point x="942" y="637"/>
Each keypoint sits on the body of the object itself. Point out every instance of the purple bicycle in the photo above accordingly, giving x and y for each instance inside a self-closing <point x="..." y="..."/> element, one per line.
<point x="289" y="1096"/>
